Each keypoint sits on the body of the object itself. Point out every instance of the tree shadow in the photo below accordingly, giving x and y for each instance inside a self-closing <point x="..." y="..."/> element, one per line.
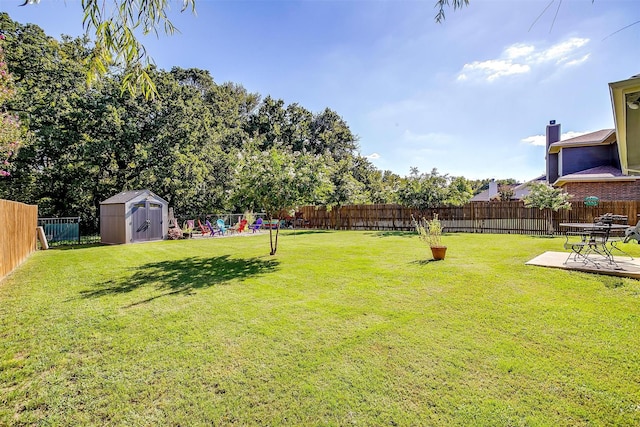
<point x="183" y="276"/>
<point x="76" y="246"/>
<point x="392" y="234"/>
<point x="300" y="232"/>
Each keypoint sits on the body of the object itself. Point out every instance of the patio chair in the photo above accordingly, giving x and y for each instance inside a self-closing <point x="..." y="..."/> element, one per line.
<point x="239" y="227"/>
<point x="576" y="246"/>
<point x="205" y="229"/>
<point x="211" y="227"/>
<point x="222" y="228"/>
<point x="632" y="233"/>
<point x="623" y="235"/>
<point x="189" y="227"/>
<point x="256" y="225"/>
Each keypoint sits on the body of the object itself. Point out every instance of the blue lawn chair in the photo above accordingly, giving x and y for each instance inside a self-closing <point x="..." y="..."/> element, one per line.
<point x="221" y="227"/>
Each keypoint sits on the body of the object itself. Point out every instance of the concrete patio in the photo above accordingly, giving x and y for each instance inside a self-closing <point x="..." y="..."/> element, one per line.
<point x="627" y="267"/>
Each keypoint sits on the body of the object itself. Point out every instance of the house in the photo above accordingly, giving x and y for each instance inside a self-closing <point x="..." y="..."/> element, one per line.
<point x="605" y="163"/>
<point x="493" y="192"/>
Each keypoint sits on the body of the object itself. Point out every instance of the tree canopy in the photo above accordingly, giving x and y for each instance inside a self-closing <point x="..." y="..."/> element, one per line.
<point x="10" y="129"/>
<point x="277" y="180"/>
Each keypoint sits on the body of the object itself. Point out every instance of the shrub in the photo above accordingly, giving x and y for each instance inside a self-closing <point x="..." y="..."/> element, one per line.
<point x="429" y="232"/>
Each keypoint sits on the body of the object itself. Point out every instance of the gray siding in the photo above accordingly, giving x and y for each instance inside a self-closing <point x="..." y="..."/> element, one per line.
<point x="552" y="167"/>
<point x="577" y="159"/>
<point x="116" y="216"/>
<point x="112" y="225"/>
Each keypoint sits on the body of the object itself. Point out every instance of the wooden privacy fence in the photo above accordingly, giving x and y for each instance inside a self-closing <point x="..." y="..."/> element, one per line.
<point x="18" y="237"/>
<point x="476" y="217"/>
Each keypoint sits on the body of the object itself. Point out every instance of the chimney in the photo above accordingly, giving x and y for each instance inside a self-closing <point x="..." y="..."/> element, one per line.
<point x="493" y="188"/>
<point x="553" y="135"/>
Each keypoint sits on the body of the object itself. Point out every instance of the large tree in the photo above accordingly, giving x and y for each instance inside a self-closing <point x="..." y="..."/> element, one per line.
<point x="424" y="190"/>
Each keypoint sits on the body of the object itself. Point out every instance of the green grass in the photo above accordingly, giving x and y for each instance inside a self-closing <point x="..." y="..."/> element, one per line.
<point x="339" y="328"/>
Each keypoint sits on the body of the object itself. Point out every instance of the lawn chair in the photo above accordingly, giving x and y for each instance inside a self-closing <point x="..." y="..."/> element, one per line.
<point x="239" y="227"/>
<point x="222" y="228"/>
<point x="256" y="226"/>
<point x="211" y="227"/>
<point x="205" y="229"/>
<point x="189" y="227"/>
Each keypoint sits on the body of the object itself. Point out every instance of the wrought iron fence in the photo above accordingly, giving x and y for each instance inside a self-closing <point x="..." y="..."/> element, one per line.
<point x="65" y="231"/>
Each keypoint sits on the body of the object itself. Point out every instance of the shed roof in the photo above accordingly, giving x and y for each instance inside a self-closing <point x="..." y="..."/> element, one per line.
<point x="125" y="196"/>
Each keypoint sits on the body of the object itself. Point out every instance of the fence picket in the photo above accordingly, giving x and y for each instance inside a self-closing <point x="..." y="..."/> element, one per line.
<point x="19" y="232"/>
<point x="476" y="217"/>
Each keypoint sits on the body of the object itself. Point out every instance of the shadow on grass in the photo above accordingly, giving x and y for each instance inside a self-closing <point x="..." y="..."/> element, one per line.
<point x="183" y="276"/>
<point x="299" y="232"/>
<point x="76" y="246"/>
<point x="425" y="261"/>
<point x="392" y="234"/>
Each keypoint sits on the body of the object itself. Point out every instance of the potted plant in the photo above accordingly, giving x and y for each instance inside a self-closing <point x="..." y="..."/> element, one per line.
<point x="430" y="232"/>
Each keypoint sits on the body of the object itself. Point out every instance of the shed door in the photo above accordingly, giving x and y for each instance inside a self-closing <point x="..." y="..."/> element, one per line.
<point x="146" y="221"/>
<point x="154" y="215"/>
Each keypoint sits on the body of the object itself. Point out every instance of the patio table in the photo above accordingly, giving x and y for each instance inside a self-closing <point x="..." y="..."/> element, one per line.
<point x="593" y="240"/>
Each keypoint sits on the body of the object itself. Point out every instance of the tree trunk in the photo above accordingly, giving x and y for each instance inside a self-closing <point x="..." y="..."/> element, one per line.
<point x="549" y="215"/>
<point x="272" y="242"/>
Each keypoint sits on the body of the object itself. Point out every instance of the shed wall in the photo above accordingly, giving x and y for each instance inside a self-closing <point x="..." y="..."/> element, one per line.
<point x="113" y="226"/>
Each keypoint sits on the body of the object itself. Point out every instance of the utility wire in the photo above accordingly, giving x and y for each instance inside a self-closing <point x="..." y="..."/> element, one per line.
<point x="555" y="16"/>
<point x="540" y="16"/>
<point x="624" y="28"/>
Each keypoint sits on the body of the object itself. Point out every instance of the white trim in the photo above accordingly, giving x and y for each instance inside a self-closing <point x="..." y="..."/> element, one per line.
<point x="560" y="163"/>
<point x="618" y="91"/>
<point x="565" y="180"/>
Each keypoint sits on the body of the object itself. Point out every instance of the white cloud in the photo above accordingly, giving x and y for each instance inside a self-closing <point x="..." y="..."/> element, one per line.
<point x="541" y="140"/>
<point x="492" y="69"/>
<point x="535" y="140"/>
<point x="560" y="52"/>
<point x="522" y="58"/>
<point x="578" y="61"/>
<point x="373" y="156"/>
<point x="518" y="50"/>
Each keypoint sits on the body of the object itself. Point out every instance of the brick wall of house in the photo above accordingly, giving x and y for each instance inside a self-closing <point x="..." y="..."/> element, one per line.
<point x="625" y="190"/>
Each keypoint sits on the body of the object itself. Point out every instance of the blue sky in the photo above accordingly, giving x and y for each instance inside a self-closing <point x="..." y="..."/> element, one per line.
<point x="470" y="97"/>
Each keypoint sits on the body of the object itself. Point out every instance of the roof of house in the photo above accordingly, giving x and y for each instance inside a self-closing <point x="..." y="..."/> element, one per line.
<point x="519" y="190"/>
<point x="601" y="137"/>
<point x="125" y="196"/>
<point x="482" y="196"/>
<point x="597" y="174"/>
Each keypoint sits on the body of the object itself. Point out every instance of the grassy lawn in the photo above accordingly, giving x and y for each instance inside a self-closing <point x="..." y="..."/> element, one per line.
<point x="339" y="328"/>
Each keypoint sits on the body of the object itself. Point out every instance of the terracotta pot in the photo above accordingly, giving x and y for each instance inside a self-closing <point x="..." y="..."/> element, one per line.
<point x="438" y="252"/>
